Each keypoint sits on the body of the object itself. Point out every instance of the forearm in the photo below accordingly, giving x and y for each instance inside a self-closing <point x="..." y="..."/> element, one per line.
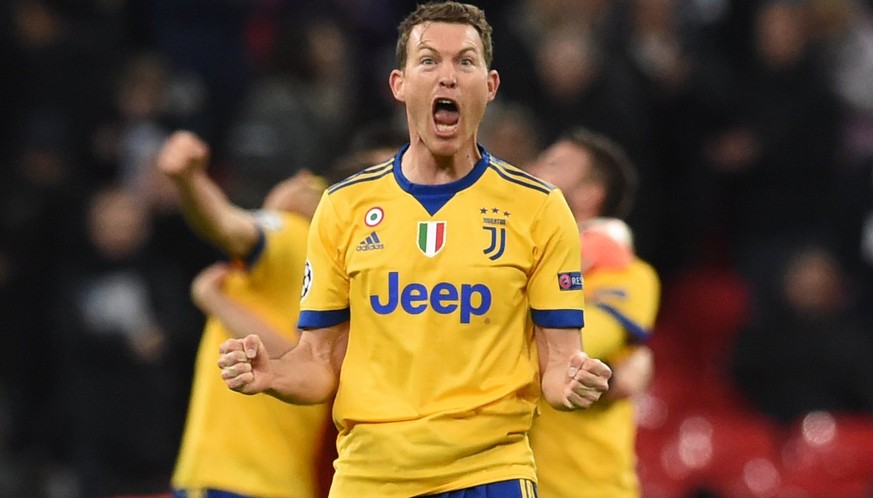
<point x="301" y="382"/>
<point x="209" y="212"/>
<point x="553" y="384"/>
<point x="555" y="347"/>
<point x="309" y="373"/>
<point x="570" y="378"/>
<point x="240" y="322"/>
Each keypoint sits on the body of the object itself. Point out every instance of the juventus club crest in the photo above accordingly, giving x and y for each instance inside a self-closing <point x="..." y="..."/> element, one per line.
<point x="431" y="237"/>
<point x="494" y="222"/>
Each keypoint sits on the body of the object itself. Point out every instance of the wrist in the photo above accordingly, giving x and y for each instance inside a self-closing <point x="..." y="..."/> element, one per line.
<point x="209" y="300"/>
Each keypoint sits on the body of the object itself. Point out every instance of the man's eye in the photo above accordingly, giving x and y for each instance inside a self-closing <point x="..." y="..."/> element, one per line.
<point x="466" y="62"/>
<point x="427" y="61"/>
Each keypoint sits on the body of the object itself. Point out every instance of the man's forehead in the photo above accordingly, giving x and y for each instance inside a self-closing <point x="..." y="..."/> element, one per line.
<point x="429" y="35"/>
<point x="562" y="149"/>
<point x="565" y="151"/>
<point x="571" y="147"/>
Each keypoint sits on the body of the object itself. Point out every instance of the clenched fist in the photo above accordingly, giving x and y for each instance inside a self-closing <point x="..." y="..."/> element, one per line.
<point x="587" y="379"/>
<point x="182" y="154"/>
<point x="244" y="364"/>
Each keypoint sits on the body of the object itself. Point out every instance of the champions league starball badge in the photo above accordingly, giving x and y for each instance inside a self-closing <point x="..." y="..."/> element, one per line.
<point x="307" y="279"/>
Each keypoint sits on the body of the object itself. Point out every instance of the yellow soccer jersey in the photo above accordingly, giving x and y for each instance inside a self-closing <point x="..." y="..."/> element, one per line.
<point x="439" y="382"/>
<point x="254" y="445"/>
<point x="590" y="453"/>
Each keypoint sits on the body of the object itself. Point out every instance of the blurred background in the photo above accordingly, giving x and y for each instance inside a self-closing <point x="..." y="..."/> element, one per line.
<point x="751" y="123"/>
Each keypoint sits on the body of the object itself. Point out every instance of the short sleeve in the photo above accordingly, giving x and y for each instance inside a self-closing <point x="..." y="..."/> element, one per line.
<point x="555" y="284"/>
<point x="324" y="300"/>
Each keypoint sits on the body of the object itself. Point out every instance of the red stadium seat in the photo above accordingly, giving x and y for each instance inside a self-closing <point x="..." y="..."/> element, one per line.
<point x="732" y="453"/>
<point x="830" y="456"/>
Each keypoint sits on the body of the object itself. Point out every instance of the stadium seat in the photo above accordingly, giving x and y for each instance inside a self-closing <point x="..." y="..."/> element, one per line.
<point x="730" y="453"/>
<point x="830" y="455"/>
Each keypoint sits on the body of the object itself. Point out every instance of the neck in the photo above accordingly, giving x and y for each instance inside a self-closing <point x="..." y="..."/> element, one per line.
<point x="422" y="166"/>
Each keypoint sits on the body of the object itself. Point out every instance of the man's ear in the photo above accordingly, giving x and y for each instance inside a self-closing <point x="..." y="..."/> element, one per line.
<point x="493" y="83"/>
<point x="395" y="80"/>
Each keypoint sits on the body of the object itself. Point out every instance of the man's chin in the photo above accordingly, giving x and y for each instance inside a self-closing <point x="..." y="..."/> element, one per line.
<point x="445" y="144"/>
<point x="445" y="148"/>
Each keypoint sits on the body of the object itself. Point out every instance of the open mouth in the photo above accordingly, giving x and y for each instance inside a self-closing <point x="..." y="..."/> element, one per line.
<point x="445" y="114"/>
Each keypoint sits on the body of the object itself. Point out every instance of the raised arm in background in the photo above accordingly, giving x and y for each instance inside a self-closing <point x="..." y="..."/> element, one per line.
<point x="183" y="159"/>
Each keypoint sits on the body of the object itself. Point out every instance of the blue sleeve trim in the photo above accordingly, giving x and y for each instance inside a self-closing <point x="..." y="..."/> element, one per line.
<point x="321" y="319"/>
<point x="637" y="331"/>
<point x="258" y="250"/>
<point x="558" y="319"/>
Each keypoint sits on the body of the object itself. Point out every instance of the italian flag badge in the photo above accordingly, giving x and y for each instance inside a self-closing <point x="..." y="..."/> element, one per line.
<point x="431" y="237"/>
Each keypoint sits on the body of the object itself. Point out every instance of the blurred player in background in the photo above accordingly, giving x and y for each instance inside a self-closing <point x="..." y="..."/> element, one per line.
<point x="591" y="453"/>
<point x="234" y="446"/>
<point x="372" y="143"/>
<point x="423" y="273"/>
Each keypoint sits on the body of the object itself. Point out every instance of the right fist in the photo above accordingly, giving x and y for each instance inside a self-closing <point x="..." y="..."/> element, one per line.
<point x="244" y="364"/>
<point x="182" y="154"/>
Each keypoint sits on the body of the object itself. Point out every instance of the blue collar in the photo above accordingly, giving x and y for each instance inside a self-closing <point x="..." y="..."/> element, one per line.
<point x="434" y="197"/>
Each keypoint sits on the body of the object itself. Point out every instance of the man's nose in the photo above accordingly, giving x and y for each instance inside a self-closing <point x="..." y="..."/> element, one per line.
<point x="449" y="78"/>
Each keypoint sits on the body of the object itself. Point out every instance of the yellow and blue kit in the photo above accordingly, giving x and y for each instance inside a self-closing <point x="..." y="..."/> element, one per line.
<point x="441" y="284"/>
<point x="591" y="452"/>
<point x="254" y="445"/>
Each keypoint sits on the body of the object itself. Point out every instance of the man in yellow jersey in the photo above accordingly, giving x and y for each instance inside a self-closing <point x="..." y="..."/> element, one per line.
<point x="591" y="453"/>
<point x="236" y="446"/>
<point x="432" y="280"/>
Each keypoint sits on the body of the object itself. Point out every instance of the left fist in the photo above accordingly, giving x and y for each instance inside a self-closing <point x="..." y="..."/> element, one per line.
<point x="587" y="380"/>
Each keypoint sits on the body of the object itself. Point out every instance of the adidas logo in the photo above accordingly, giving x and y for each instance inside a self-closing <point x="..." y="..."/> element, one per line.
<point x="371" y="243"/>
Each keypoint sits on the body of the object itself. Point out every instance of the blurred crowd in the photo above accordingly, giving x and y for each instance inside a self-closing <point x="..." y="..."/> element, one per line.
<point x="751" y="122"/>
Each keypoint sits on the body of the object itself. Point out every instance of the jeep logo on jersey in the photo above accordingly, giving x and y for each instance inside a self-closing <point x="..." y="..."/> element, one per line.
<point x="431" y="237"/>
<point x="444" y="298"/>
